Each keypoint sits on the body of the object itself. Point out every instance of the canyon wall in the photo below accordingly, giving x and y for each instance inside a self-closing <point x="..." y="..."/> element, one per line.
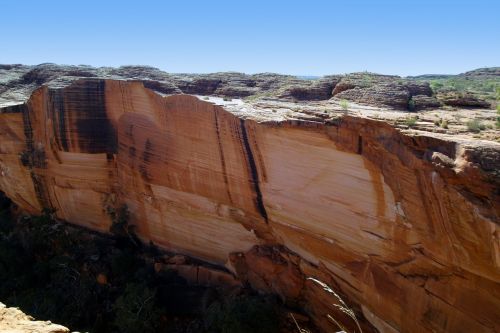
<point x="403" y="225"/>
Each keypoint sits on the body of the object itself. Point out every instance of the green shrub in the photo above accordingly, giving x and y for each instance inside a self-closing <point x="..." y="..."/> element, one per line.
<point x="442" y="123"/>
<point x="136" y="310"/>
<point x="242" y="314"/>
<point x="410" y="122"/>
<point x="436" y="85"/>
<point x="344" y="104"/>
<point x="497" y="122"/>
<point x="475" y="126"/>
<point x="411" y="105"/>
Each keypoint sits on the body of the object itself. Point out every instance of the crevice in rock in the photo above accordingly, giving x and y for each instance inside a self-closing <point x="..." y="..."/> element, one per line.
<point x="222" y="158"/>
<point x="253" y="171"/>
<point x="360" y="145"/>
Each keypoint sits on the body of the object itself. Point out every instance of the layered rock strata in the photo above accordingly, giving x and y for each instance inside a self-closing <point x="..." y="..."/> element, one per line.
<point x="17" y="82"/>
<point x="402" y="224"/>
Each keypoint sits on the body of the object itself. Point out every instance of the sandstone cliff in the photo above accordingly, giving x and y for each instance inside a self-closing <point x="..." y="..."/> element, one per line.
<point x="403" y="223"/>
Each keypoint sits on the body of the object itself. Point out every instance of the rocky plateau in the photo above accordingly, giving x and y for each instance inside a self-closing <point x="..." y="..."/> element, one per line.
<point x="346" y="179"/>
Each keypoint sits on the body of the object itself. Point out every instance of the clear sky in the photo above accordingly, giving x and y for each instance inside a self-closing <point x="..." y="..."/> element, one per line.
<point x="295" y="37"/>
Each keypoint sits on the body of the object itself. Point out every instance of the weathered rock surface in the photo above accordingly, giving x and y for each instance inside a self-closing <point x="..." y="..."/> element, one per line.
<point x="403" y="224"/>
<point x="17" y="82"/>
<point x="454" y="98"/>
<point x="311" y="90"/>
<point x="387" y="94"/>
<point x="422" y="102"/>
<point x="13" y="320"/>
<point x="362" y="80"/>
<point x="386" y="90"/>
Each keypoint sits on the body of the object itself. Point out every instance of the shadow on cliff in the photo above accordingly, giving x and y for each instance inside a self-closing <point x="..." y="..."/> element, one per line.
<point x="96" y="283"/>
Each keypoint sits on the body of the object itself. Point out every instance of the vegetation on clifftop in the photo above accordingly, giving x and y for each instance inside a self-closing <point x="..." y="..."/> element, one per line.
<point x="483" y="83"/>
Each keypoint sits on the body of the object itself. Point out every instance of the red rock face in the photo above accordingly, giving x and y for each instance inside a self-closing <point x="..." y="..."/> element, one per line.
<point x="404" y="227"/>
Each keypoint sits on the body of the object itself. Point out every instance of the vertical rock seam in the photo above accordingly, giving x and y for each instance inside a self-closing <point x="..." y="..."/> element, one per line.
<point x="58" y="114"/>
<point x="253" y="171"/>
<point x="222" y="158"/>
<point x="34" y="158"/>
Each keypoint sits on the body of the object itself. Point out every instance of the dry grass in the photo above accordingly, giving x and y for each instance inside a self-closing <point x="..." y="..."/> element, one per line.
<point x="341" y="305"/>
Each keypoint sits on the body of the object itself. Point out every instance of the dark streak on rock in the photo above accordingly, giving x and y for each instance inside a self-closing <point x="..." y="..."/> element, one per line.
<point x="360" y="145"/>
<point x="221" y="153"/>
<point x="260" y="159"/>
<point x="131" y="152"/>
<point x="41" y="190"/>
<point x="147" y="153"/>
<point x="34" y="158"/>
<point x="130" y="131"/>
<point x="96" y="134"/>
<point x="143" y="170"/>
<point x="374" y="234"/>
<point x="147" y="156"/>
<point x="56" y="98"/>
<point x="28" y="133"/>
<point x="253" y="171"/>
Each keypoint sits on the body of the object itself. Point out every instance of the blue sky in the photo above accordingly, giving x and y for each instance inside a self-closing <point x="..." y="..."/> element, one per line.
<point x="294" y="37"/>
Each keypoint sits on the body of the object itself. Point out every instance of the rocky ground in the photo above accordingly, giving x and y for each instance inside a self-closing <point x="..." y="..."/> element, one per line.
<point x="459" y="123"/>
<point x="463" y="105"/>
<point x="18" y="81"/>
<point x="13" y="320"/>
